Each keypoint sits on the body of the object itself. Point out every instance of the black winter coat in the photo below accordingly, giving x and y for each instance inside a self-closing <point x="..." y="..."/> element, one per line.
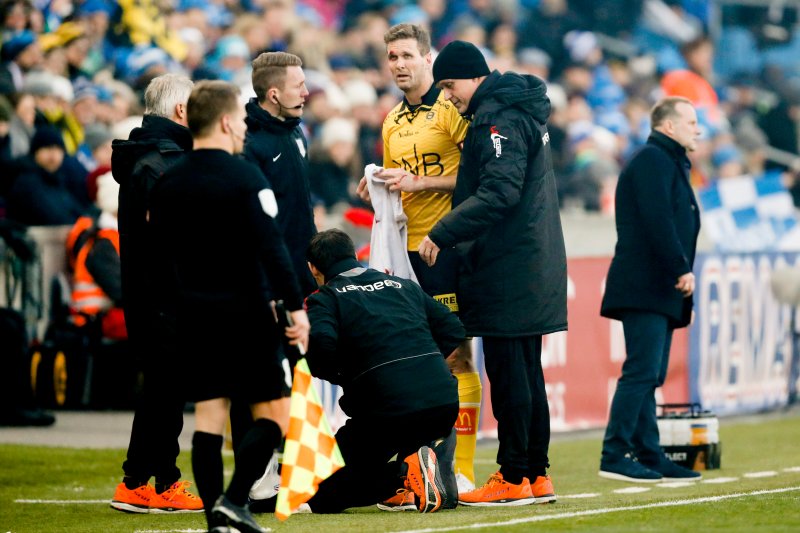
<point x="137" y="165"/>
<point x="505" y="222"/>
<point x="280" y="150"/>
<point x="657" y="226"/>
<point x="38" y="198"/>
<point x="383" y="340"/>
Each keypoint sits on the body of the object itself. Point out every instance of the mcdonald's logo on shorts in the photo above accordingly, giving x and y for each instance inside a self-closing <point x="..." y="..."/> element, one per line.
<point x="467" y="421"/>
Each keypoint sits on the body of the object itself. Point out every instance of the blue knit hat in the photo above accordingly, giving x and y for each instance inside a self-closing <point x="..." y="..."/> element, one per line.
<point x="15" y="44"/>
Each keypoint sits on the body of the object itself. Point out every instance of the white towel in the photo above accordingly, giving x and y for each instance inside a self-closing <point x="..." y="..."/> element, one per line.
<point x="389" y="231"/>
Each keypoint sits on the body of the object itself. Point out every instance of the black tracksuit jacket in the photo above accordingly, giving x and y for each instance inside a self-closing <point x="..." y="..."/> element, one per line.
<point x="279" y="149"/>
<point x="384" y="341"/>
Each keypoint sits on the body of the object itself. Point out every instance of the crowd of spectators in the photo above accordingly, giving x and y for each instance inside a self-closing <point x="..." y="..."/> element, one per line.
<point x="72" y="73"/>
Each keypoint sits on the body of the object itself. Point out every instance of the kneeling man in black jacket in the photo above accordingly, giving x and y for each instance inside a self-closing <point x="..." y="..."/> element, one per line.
<point x="384" y="341"/>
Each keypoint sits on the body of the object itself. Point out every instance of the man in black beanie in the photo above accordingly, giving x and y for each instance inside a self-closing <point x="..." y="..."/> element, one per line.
<point x="40" y="194"/>
<point x="512" y="282"/>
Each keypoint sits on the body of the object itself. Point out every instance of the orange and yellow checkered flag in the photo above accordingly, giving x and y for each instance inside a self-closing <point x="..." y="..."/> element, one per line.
<point x="311" y="453"/>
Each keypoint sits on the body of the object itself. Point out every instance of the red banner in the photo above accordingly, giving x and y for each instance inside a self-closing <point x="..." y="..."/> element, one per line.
<point x="582" y="365"/>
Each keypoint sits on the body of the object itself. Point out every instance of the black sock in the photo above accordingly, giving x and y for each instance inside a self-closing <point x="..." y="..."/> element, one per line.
<point x="207" y="468"/>
<point x="533" y="474"/>
<point x="252" y="457"/>
<point x="512" y="476"/>
<point x="132" y="483"/>
<point x="162" y="486"/>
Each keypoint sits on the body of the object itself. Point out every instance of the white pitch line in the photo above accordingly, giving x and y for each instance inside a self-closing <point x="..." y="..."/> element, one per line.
<point x="765" y="473"/>
<point x="720" y="480"/>
<point x="578" y="496"/>
<point x="590" y="512"/>
<point x="792" y="469"/>
<point x="170" y="531"/>
<point x="675" y="484"/>
<point x="631" y="490"/>
<point x="64" y="502"/>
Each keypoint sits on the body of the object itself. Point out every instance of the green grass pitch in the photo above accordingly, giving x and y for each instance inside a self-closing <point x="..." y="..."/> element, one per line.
<point x="762" y="454"/>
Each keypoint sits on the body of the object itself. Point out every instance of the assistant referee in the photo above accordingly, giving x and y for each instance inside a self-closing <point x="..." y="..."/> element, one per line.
<point x="212" y="215"/>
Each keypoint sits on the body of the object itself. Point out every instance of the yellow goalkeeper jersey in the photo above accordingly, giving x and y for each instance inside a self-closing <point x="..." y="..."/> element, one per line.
<point x="425" y="140"/>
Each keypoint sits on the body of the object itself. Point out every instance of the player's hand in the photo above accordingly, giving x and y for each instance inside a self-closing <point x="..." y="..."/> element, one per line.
<point x="363" y="191"/>
<point x="398" y="179"/>
<point x="686" y="284"/>
<point x="297" y="333"/>
<point x="460" y="361"/>
<point x="428" y="251"/>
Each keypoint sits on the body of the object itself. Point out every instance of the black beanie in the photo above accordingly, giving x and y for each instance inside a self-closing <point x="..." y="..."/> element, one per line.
<point x="459" y="60"/>
<point x="46" y="136"/>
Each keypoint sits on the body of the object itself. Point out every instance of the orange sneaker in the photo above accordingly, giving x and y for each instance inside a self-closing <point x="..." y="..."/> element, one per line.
<point x="542" y="490"/>
<point x="425" y="480"/>
<point x="404" y="500"/>
<point x="133" y="500"/>
<point x="498" y="492"/>
<point x="176" y="499"/>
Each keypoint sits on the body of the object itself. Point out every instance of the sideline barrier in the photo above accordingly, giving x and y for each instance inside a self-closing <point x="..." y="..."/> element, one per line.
<point x="737" y="357"/>
<point x="743" y="358"/>
<point x="581" y="366"/>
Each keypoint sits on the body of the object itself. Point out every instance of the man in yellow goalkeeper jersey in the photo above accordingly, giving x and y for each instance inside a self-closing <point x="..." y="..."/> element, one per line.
<point x="422" y="139"/>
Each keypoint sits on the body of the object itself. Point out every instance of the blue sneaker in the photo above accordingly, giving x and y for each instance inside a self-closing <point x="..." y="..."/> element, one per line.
<point x="672" y="472"/>
<point x="628" y="469"/>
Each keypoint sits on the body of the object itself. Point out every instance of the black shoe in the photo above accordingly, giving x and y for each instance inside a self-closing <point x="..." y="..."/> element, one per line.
<point x="628" y="469"/>
<point x="445" y="450"/>
<point x="236" y="516"/>
<point x="262" y="506"/>
<point x="673" y="472"/>
<point x="27" y="417"/>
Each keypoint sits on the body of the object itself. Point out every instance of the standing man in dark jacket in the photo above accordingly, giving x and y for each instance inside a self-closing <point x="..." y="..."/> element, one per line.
<point x="512" y="285"/>
<point x="649" y="288"/>
<point x="137" y="165"/>
<point x="276" y="144"/>
<point x="384" y="341"/>
<point x="224" y="317"/>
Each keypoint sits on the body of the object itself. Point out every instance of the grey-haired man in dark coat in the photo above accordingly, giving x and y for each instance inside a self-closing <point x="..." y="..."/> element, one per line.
<point x="649" y="288"/>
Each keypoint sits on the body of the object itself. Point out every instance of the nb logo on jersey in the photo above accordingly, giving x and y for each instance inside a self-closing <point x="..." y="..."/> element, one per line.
<point x="545" y="139"/>
<point x="377" y="286"/>
<point x="495" y="136"/>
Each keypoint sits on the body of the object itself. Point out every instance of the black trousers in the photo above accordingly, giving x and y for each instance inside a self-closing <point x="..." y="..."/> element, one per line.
<point x="519" y="403"/>
<point x="158" y="420"/>
<point x="632" y="424"/>
<point x="367" y="445"/>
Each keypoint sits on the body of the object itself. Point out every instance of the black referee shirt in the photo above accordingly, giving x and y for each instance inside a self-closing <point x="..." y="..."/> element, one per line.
<point x="212" y="215"/>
